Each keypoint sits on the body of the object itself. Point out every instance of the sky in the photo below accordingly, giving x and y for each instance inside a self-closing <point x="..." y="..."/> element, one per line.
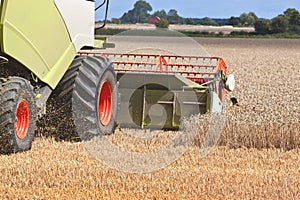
<point x="206" y="8"/>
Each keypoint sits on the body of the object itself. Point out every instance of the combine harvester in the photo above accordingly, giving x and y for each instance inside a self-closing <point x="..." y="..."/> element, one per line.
<point x="46" y="50"/>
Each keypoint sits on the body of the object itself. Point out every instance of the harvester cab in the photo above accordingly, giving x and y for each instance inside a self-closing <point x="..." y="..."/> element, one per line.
<point x="43" y="55"/>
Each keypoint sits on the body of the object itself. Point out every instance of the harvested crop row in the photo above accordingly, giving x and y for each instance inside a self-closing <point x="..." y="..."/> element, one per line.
<point x="65" y="170"/>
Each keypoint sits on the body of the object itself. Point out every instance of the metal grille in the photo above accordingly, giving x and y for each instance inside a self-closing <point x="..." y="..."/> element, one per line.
<point x="196" y="68"/>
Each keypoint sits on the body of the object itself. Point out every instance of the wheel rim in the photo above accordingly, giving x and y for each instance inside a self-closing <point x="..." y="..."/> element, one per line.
<point x="22" y="119"/>
<point x="105" y="103"/>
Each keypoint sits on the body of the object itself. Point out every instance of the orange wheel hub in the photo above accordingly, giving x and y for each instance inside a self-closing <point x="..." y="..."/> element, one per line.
<point x="105" y="103"/>
<point x="22" y="119"/>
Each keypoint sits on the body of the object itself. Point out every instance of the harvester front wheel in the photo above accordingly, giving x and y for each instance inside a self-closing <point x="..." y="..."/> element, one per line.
<point x="85" y="101"/>
<point x="95" y="97"/>
<point x="17" y="115"/>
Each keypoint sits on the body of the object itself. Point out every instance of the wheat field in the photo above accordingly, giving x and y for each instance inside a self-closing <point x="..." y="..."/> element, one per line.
<point x="257" y="156"/>
<point x="268" y="90"/>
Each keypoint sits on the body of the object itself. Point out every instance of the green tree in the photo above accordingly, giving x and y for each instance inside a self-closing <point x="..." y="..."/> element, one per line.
<point x="174" y="18"/>
<point x="161" y="14"/>
<point x="139" y="14"/>
<point x="142" y="8"/>
<point x="279" y="24"/>
<point x="262" y="26"/>
<point x="252" y="18"/>
<point x="115" y="21"/>
<point x="208" y="21"/>
<point x="163" y="23"/>
<point x="190" y="21"/>
<point x="293" y="16"/>
<point x="248" y="19"/>
<point x="234" y="21"/>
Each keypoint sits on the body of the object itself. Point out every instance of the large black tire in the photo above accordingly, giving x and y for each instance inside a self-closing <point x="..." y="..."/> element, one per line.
<point x="58" y="121"/>
<point x="18" y="115"/>
<point x="75" y="102"/>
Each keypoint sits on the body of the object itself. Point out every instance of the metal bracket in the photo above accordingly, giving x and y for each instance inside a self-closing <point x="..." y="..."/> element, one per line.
<point x="42" y="96"/>
<point x="106" y="13"/>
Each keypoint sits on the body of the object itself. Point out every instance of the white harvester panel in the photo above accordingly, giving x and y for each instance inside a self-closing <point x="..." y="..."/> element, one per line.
<point x="79" y="17"/>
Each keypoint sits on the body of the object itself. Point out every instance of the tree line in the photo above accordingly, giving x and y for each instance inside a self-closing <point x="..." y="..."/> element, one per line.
<point x="288" y="22"/>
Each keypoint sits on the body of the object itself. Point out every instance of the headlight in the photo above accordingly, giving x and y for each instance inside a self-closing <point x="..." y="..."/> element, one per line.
<point x="230" y="83"/>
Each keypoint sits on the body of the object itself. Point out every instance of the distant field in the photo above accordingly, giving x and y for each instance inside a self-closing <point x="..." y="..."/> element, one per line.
<point x="258" y="156"/>
<point x="200" y="28"/>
